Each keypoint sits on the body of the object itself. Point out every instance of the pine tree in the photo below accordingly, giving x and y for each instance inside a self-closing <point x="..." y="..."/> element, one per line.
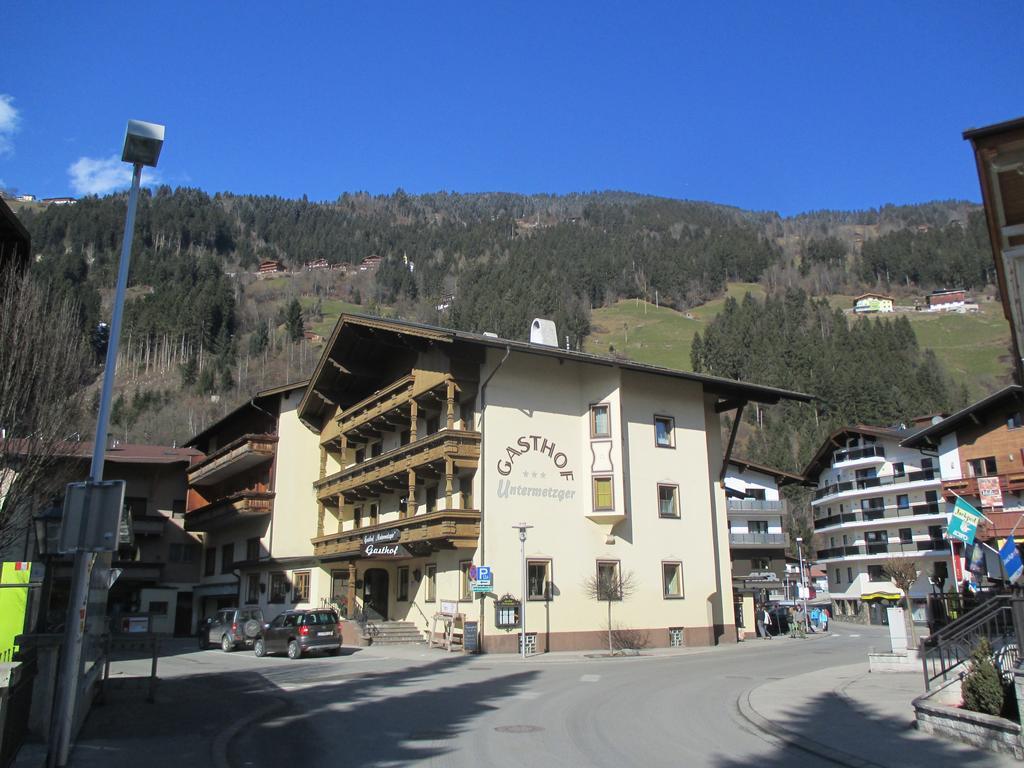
<point x="293" y="320"/>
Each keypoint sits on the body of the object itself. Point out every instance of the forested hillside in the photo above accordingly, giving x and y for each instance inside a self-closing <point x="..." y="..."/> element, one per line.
<point x="201" y="332"/>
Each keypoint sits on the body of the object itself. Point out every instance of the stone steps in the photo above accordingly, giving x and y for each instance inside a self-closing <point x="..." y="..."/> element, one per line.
<point x="395" y="633"/>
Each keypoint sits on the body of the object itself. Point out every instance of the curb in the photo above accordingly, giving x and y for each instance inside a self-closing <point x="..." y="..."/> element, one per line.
<point x="219" y="748"/>
<point x="776" y="733"/>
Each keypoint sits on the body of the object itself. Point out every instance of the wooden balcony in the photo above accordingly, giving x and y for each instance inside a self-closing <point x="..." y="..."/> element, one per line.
<point x="436" y="455"/>
<point x="229" y="509"/>
<point x="420" y="534"/>
<point x="394" y="406"/>
<point x="237" y="456"/>
<point x="968" y="486"/>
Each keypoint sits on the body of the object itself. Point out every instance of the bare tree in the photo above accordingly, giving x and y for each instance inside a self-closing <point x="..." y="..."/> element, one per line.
<point x="610" y="587"/>
<point x="903" y="572"/>
<point x="45" y="366"/>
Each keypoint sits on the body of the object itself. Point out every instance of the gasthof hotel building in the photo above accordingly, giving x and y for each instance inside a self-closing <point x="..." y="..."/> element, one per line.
<point x="435" y="443"/>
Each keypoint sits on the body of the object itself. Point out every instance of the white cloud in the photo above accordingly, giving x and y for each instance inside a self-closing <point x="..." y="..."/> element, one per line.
<point x="100" y="176"/>
<point x="9" y="120"/>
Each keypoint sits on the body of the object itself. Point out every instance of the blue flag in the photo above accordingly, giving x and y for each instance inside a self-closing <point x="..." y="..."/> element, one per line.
<point x="1011" y="559"/>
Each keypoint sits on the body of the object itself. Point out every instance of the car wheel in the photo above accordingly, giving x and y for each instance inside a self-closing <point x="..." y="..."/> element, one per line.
<point x="203" y="643"/>
<point x="226" y="645"/>
<point x="294" y="651"/>
<point x="259" y="648"/>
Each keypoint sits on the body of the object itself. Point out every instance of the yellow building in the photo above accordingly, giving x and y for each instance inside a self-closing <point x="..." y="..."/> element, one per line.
<point x="434" y="444"/>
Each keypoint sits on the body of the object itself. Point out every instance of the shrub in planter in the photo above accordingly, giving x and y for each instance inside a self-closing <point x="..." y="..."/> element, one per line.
<point x="982" y="689"/>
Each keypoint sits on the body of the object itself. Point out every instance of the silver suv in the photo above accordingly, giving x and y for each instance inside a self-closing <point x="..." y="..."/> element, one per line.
<point x="231" y="628"/>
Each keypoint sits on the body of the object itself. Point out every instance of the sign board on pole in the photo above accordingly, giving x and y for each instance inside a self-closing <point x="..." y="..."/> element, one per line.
<point x="1011" y="560"/>
<point x="92" y="516"/>
<point x="989" y="491"/>
<point x="481" y="578"/>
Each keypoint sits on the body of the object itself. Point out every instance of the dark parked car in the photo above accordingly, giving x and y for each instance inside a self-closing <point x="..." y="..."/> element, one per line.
<point x="231" y="628"/>
<point x="299" y="632"/>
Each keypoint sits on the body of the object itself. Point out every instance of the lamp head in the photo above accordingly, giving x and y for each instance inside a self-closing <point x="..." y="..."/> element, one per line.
<point x="142" y="143"/>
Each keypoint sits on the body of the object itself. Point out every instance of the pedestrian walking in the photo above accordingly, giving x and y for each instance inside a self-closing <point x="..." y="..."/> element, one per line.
<point x="764" y="623"/>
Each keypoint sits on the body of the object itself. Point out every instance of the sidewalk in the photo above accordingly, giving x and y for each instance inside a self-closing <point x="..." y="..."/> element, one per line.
<point x="857" y="719"/>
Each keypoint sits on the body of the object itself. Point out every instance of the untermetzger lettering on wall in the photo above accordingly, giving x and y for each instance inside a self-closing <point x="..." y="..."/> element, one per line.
<point x="538" y="444"/>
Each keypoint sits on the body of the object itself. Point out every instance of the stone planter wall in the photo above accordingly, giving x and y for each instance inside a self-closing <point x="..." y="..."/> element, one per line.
<point x="938" y="712"/>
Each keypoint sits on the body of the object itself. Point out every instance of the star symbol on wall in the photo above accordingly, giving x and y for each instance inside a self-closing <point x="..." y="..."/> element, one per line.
<point x="543" y="475"/>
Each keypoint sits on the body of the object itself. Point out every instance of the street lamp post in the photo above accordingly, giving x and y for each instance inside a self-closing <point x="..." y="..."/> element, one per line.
<point x="803" y="582"/>
<point x="522" y="528"/>
<point x="142" y="145"/>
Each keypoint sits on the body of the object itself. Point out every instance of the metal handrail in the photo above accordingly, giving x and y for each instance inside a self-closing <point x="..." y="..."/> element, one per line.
<point x="1000" y="620"/>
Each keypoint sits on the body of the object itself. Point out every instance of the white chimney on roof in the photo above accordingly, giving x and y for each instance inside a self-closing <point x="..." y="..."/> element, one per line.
<point x="543" y="332"/>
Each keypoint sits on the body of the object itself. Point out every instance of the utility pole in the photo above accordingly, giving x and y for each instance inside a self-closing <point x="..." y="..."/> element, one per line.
<point x="803" y="582"/>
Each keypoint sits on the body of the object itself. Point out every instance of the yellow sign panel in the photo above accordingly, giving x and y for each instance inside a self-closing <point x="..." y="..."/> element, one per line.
<point x="13" y="603"/>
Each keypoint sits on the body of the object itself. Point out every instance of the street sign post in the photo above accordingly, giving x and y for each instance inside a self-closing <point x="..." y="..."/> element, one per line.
<point x="481" y="579"/>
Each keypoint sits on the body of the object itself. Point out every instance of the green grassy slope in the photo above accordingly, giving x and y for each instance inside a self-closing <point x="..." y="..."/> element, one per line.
<point x="972" y="347"/>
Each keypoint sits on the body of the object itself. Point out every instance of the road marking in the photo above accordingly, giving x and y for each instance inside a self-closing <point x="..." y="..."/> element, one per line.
<point x="529" y="695"/>
<point x="854" y="635"/>
<point x="590" y="678"/>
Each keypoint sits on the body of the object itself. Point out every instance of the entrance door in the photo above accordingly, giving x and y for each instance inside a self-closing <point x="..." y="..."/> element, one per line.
<point x="183" y="615"/>
<point x="375" y="594"/>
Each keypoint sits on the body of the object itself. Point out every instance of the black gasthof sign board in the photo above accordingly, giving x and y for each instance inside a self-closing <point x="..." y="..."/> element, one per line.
<point x="471" y="637"/>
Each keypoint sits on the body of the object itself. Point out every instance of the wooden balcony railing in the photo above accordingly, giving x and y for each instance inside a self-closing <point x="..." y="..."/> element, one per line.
<point x="420" y="534"/>
<point x="455" y="449"/>
<point x="228" y="509"/>
<point x="398" y="400"/>
<point x="244" y="453"/>
<point x="968" y="486"/>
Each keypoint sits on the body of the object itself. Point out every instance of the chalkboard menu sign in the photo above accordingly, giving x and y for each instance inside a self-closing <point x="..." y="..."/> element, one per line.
<point x="471" y="637"/>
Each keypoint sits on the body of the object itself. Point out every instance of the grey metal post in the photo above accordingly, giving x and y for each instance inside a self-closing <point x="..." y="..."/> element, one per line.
<point x="74" y="625"/>
<point x="803" y="584"/>
<point x="522" y="605"/>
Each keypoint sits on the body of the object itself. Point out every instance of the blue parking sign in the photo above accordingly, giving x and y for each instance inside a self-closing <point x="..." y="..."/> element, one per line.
<point x="483" y="574"/>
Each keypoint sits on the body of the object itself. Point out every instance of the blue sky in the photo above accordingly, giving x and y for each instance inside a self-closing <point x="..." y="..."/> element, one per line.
<point x="768" y="106"/>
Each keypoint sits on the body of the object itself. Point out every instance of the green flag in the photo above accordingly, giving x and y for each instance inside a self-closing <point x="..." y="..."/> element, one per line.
<point x="963" y="522"/>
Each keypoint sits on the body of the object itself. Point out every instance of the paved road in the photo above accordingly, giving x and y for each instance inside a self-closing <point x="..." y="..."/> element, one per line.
<point x="422" y="708"/>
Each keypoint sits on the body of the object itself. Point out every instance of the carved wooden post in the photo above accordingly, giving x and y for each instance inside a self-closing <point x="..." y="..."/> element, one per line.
<point x="351" y="601"/>
<point x="344" y="451"/>
<point x="449" y="473"/>
<point x="320" y="518"/>
<point x="451" y="404"/>
<point x="341" y="513"/>
<point x="414" y="411"/>
<point x="323" y="462"/>
<point x="410" y="503"/>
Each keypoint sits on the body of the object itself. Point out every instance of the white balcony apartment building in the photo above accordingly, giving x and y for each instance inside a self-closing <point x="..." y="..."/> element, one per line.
<point x="876" y="500"/>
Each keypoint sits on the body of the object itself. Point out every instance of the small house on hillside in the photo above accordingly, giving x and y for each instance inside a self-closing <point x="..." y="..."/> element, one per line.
<point x="269" y="268"/>
<point x="317" y="264"/>
<point x="940" y="301"/>
<point x="370" y="263"/>
<point x="872" y="302"/>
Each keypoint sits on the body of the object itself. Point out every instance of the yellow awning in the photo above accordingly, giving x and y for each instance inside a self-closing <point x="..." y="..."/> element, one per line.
<point x="881" y="596"/>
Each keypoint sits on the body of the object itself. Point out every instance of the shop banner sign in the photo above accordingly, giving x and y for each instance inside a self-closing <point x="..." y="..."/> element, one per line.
<point x="963" y="523"/>
<point x="989" y="491"/>
<point x="1011" y="560"/>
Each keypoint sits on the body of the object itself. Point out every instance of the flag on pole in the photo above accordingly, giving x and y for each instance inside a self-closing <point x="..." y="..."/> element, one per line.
<point x="1011" y="560"/>
<point x="964" y="522"/>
